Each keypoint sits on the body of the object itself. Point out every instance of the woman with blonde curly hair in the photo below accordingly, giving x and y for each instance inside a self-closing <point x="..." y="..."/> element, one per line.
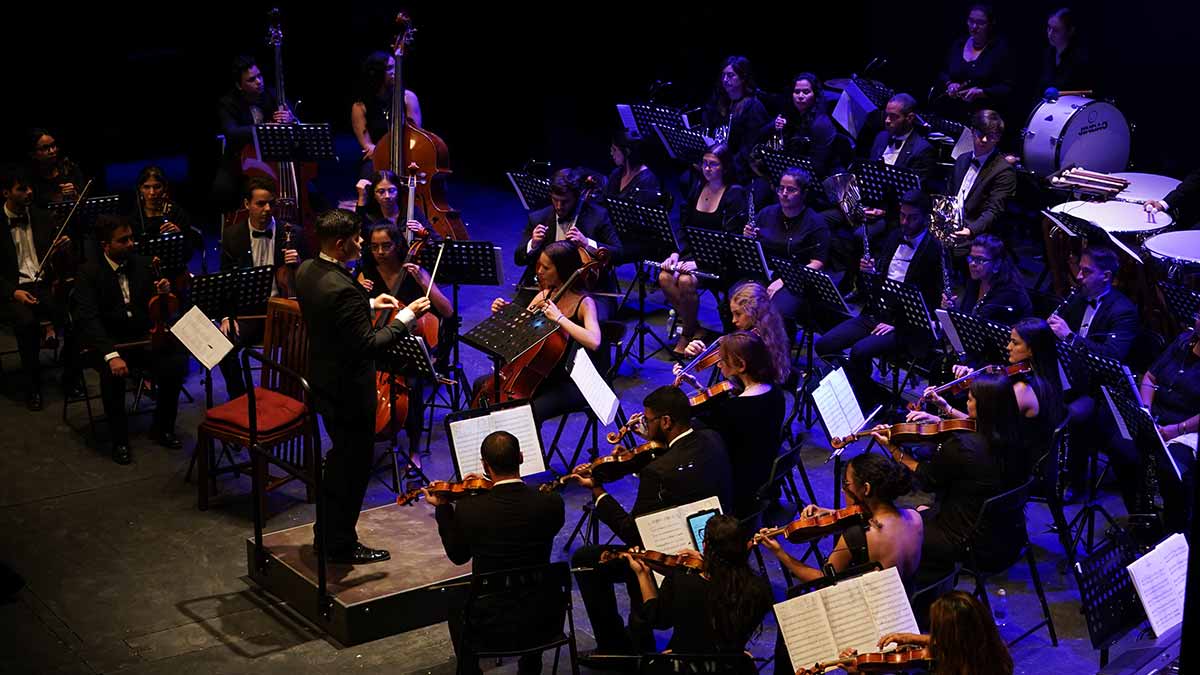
<point x="751" y="307"/>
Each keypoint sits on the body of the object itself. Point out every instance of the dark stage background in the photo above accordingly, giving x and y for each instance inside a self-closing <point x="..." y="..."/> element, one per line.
<point x="502" y="83"/>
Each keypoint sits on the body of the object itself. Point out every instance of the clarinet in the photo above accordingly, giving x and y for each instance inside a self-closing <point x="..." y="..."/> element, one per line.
<point x="1066" y="300"/>
<point x="751" y="217"/>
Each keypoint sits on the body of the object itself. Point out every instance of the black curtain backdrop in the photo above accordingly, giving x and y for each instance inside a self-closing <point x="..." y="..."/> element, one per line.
<point x="505" y="83"/>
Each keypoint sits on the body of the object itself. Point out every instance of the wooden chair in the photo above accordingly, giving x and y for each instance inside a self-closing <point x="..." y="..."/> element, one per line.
<point x="283" y="418"/>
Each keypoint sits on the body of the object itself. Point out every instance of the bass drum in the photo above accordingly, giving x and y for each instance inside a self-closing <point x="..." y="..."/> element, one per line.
<point x="1177" y="255"/>
<point x="1073" y="130"/>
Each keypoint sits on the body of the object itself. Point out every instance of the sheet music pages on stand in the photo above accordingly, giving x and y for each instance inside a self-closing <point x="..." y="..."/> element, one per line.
<point x="948" y="328"/>
<point x="204" y="340"/>
<point x="837" y="405"/>
<point x="599" y="396"/>
<point x="666" y="531"/>
<point x="466" y="437"/>
<point x="1160" y="578"/>
<point x="852" y="613"/>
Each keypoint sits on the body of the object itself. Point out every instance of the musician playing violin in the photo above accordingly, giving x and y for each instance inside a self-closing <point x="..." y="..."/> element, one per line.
<point x="26" y="299"/>
<point x="111" y="305"/>
<point x="716" y="611"/>
<point x="54" y="177"/>
<point x="751" y="309"/>
<point x="510" y="526"/>
<point x="694" y="466"/>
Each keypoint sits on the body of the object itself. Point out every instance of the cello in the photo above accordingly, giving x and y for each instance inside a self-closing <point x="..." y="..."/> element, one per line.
<point x="406" y="145"/>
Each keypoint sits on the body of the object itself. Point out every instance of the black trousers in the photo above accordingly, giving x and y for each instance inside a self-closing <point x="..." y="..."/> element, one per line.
<point x="855" y="334"/>
<point x="528" y="664"/>
<point x="597" y="586"/>
<point x="26" y="321"/>
<point x="249" y="333"/>
<point x="167" y="368"/>
<point x="347" y="470"/>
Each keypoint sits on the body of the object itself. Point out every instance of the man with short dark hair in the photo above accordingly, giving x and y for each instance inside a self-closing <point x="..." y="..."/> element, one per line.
<point x="694" y="466"/>
<point x="1099" y="318"/>
<point x="249" y="102"/>
<point x="508" y="527"/>
<point x="585" y="223"/>
<point x="982" y="180"/>
<point x="898" y="145"/>
<point x="343" y="344"/>
<point x="111" y="305"/>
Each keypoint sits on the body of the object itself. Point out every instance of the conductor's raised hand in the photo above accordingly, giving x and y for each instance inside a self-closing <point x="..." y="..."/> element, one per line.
<point x="385" y="301"/>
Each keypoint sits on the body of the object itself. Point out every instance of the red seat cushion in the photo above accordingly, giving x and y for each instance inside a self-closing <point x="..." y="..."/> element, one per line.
<point x="275" y="411"/>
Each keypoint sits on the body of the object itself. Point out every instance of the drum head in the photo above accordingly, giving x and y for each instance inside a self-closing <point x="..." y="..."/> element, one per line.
<point x="1074" y="130"/>
<point x="1177" y="247"/>
<point x="1116" y="217"/>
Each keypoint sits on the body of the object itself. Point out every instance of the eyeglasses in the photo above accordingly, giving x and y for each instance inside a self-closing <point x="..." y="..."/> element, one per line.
<point x="977" y="260"/>
<point x="384" y="192"/>
<point x="384" y="247"/>
<point x="711" y="165"/>
<point x="977" y="22"/>
<point x="46" y="148"/>
<point x="787" y="190"/>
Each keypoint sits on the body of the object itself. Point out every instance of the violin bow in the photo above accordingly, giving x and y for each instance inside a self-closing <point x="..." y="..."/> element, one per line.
<point x="61" y="228"/>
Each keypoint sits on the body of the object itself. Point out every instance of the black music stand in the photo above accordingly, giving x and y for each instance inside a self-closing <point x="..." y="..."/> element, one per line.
<point x="982" y="341"/>
<point x="404" y="358"/>
<point x="881" y="184"/>
<point x="645" y="232"/>
<point x="1182" y="303"/>
<point x="171" y="250"/>
<point x="778" y="162"/>
<point x="905" y="302"/>
<point x="684" y="145"/>
<point x="732" y="256"/>
<point x="465" y="263"/>
<point x="506" y="335"/>
<point x="533" y="191"/>
<point x="640" y="118"/>
<point x="1108" y="600"/>
<point x="1143" y="431"/>
<point x="89" y="210"/>
<point x="294" y="142"/>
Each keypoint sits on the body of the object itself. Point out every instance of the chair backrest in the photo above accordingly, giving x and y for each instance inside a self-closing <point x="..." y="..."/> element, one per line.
<point x="518" y="608"/>
<point x="285" y="339"/>
<point x="1012" y="501"/>
<point x="781" y="468"/>
<point x="697" y="664"/>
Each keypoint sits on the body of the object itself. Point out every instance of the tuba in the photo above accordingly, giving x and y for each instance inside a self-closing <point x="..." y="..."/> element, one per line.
<point x="842" y="189"/>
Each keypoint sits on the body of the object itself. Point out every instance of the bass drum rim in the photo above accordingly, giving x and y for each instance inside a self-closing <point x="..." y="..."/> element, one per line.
<point x="1028" y="149"/>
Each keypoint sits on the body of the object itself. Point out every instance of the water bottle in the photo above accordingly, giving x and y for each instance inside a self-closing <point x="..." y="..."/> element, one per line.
<point x="1000" y="608"/>
<point x="672" y="333"/>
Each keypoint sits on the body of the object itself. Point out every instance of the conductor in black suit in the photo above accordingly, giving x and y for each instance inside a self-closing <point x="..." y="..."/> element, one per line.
<point x="260" y="241"/>
<point x="343" y="344"/>
<point x="695" y="466"/>
<point x="586" y="223"/>
<point x="111" y="308"/>
<point x="982" y="180"/>
<point x="508" y="527"/>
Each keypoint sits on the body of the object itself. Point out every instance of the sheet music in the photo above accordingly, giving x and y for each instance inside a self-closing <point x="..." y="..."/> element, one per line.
<point x="599" y="396"/>
<point x="850" y="617"/>
<point x="948" y="328"/>
<point x="1187" y="439"/>
<point x="889" y="602"/>
<point x="627" y="119"/>
<point x="837" y="405"/>
<point x="804" y="626"/>
<point x="965" y="144"/>
<point x="666" y="531"/>
<point x="1160" y="578"/>
<point x="204" y="340"/>
<point x="1112" y="406"/>
<point x="467" y="437"/>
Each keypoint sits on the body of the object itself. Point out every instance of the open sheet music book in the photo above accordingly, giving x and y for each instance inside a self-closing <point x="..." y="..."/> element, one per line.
<point x="1160" y="578"/>
<point x="466" y="437"/>
<point x="667" y="531"/>
<point x="837" y="405"/>
<point x="852" y="613"/>
<point x="204" y="340"/>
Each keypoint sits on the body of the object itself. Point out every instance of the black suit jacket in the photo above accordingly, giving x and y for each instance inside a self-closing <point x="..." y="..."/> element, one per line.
<point x="916" y="154"/>
<point x="511" y="526"/>
<point x="924" y="271"/>
<point x="1113" y="328"/>
<point x="996" y="182"/>
<point x="237" y="121"/>
<point x="343" y="341"/>
<point x="592" y="221"/>
<point x="696" y="467"/>
<point x="1184" y="200"/>
<point x="99" y="307"/>
<point x="236" y="251"/>
<point x="43" y="237"/>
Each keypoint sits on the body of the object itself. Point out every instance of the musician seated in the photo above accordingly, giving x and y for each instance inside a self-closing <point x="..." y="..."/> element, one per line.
<point x="751" y="309"/>
<point x="1183" y="202"/>
<point x="994" y="291"/>
<point x="575" y="313"/>
<point x="967" y="468"/>
<point x="260" y="241"/>
<point x="751" y="422"/>
<point x="111" y="309"/>
<point x="384" y="271"/>
<point x="250" y="102"/>
<point x="27" y="296"/>
<point x="695" y="466"/>
<point x="806" y="128"/>
<point x="371" y="110"/>
<point x="982" y="180"/>
<point x="911" y="255"/>
<point x="715" y="202"/>
<point x="569" y="217"/>
<point x="735" y="114"/>
<point x="791" y="230"/>
<point x="963" y="638"/>
<point x="632" y="180"/>
<point x="1099" y="318"/>
<point x="1171" y="387"/>
<point x="155" y="214"/>
<point x="508" y="527"/>
<point x="899" y="145"/>
<point x="55" y="178"/>
<point x="383" y="198"/>
<point x="716" y="611"/>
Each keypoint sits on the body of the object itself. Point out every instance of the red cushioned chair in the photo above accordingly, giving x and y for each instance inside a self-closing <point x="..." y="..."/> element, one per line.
<point x="284" y="417"/>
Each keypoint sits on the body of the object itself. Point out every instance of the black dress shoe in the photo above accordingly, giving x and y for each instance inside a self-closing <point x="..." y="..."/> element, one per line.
<point x="74" y="390"/>
<point x="167" y="440"/>
<point x="359" y="555"/>
<point x="121" y="454"/>
<point x="596" y="660"/>
<point x="34" y="401"/>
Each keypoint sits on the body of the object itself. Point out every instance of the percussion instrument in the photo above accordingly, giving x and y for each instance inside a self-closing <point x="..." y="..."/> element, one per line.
<point x="1075" y="130"/>
<point x="1118" y="218"/>
<point x="1176" y="253"/>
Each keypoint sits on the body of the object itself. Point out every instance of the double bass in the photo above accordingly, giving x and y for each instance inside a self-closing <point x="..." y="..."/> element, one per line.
<point x="406" y="145"/>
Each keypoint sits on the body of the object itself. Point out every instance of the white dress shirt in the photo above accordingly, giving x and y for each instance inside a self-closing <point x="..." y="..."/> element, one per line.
<point x="898" y="267"/>
<point x="891" y="153"/>
<point x="123" y="282"/>
<point x="27" y="257"/>
<point x="969" y="177"/>
<point x="1089" y="313"/>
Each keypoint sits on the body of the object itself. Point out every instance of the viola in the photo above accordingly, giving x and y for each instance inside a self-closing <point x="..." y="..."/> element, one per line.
<point x="961" y="384"/>
<point x="445" y="489"/>
<point x="814" y="527"/>
<point x="662" y="563"/>
<point x="878" y="662"/>
<point x="907" y="432"/>
<point x="163" y="310"/>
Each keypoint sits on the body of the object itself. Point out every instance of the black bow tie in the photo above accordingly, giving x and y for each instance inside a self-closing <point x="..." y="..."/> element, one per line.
<point x="1093" y="302"/>
<point x="895" y="142"/>
<point x="909" y="243"/>
<point x="122" y="268"/>
<point x="19" y="221"/>
<point x="976" y="163"/>
<point x="258" y="234"/>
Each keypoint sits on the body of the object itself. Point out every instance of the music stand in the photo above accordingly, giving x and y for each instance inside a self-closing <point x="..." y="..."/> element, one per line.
<point x="169" y="249"/>
<point x="506" y="335"/>
<point x="89" y="210"/>
<point x="1108" y="600"/>
<point x="533" y="191"/>
<point x="778" y="162"/>
<point x="907" y="299"/>
<point x="646" y="232"/>
<point x="293" y="142"/>
<point x="881" y="183"/>
<point x="985" y="341"/>
<point x="640" y="118"/>
<point x="1182" y="303"/>
<point x="683" y="145"/>
<point x="404" y="358"/>
<point x="736" y="257"/>
<point x="1101" y="371"/>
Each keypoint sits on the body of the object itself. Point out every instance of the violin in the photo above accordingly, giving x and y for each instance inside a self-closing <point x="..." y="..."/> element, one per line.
<point x="963" y="383"/>
<point x="662" y="563"/>
<point x="445" y="489"/>
<point x="878" y="662"/>
<point x="621" y="462"/>
<point x="906" y="432"/>
<point x="163" y="309"/>
<point x="722" y="388"/>
<point x="813" y="527"/>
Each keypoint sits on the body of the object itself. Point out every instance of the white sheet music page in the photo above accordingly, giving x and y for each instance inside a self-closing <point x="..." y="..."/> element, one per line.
<point x="627" y="119"/>
<point x="204" y="340"/>
<point x="837" y="405"/>
<point x="599" y="396"/>
<point x="1112" y="406"/>
<point x="849" y="617"/>
<point x="948" y="328"/>
<point x="885" y="595"/>
<point x="1160" y="578"/>
<point x="805" y="630"/>
<point x="666" y="531"/>
<point x="468" y="436"/>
